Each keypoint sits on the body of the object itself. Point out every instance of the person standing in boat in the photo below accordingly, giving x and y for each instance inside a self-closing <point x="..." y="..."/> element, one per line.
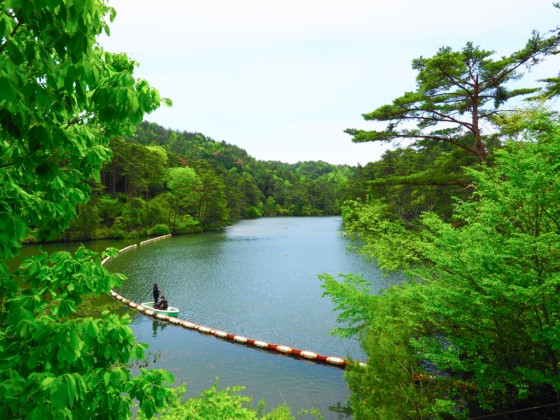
<point x="156" y="293"/>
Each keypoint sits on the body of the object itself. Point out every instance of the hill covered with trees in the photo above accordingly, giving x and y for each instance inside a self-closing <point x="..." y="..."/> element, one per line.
<point x="160" y="180"/>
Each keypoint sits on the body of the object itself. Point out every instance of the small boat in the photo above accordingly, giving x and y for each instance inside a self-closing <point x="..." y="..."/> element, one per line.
<point x="170" y="311"/>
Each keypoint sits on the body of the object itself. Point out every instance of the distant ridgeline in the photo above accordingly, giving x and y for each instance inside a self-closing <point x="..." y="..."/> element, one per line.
<point x="161" y="181"/>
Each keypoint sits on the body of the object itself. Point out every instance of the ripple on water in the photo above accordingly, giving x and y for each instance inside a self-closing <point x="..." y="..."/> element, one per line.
<point x="258" y="278"/>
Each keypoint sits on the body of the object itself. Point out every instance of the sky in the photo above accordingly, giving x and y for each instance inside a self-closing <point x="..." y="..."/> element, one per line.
<point x="283" y="79"/>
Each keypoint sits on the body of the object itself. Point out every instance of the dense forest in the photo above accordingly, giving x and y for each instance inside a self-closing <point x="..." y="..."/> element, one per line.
<point x="472" y="217"/>
<point x="469" y="212"/>
<point x="159" y="181"/>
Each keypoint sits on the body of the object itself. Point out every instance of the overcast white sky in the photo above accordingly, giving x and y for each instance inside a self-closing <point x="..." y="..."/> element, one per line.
<point x="283" y="79"/>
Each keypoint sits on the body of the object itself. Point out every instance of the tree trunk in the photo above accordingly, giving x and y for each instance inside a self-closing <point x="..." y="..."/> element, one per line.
<point x="479" y="144"/>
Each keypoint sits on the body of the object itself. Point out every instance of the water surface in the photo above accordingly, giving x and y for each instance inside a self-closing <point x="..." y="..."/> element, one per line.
<point x="259" y="279"/>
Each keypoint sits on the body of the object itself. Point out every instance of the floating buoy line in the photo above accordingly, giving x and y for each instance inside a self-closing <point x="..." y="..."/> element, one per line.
<point x="258" y="344"/>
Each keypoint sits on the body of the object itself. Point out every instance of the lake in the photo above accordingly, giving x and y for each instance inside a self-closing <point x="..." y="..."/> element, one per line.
<point x="259" y="279"/>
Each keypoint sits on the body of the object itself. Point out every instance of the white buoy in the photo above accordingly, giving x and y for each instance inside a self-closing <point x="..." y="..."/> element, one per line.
<point x="308" y="354"/>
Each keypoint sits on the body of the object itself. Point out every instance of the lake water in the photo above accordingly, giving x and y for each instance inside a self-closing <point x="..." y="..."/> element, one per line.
<point x="259" y="279"/>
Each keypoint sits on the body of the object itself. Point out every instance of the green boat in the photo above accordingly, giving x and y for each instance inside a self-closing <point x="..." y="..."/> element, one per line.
<point x="170" y="311"/>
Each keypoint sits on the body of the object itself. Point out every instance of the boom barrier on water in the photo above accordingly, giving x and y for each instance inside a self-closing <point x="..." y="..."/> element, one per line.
<point x="159" y="238"/>
<point x="278" y="348"/>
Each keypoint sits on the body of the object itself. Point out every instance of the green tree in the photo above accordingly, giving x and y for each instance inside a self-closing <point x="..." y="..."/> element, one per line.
<point x="393" y="385"/>
<point x="456" y="92"/>
<point x="227" y="404"/>
<point x="211" y="202"/>
<point x="251" y="197"/>
<point x="270" y="207"/>
<point x="481" y="307"/>
<point x="61" y="99"/>
<point x="155" y="169"/>
<point x="86" y="223"/>
<point x="135" y="168"/>
<point x="408" y="181"/>
<point x="181" y="184"/>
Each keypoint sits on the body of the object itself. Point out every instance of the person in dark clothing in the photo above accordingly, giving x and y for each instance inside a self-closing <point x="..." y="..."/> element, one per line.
<point x="156" y="293"/>
<point x="162" y="304"/>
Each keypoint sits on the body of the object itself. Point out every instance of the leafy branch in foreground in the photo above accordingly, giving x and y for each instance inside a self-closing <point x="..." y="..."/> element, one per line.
<point x="61" y="99"/>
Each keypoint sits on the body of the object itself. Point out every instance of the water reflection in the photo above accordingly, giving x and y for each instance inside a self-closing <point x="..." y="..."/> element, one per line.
<point x="156" y="325"/>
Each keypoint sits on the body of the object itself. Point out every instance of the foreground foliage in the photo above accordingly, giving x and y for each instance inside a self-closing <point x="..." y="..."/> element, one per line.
<point x="476" y="327"/>
<point x="227" y="404"/>
<point x="62" y="99"/>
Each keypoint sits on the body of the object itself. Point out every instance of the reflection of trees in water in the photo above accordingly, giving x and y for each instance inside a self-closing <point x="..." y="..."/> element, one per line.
<point x="343" y="411"/>
<point x="155" y="325"/>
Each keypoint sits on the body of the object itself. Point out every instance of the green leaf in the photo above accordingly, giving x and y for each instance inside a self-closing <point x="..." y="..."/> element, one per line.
<point x="45" y="383"/>
<point x="8" y="92"/>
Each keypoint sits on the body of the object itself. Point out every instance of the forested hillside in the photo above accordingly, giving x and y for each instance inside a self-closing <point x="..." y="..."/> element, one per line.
<point x="159" y="180"/>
